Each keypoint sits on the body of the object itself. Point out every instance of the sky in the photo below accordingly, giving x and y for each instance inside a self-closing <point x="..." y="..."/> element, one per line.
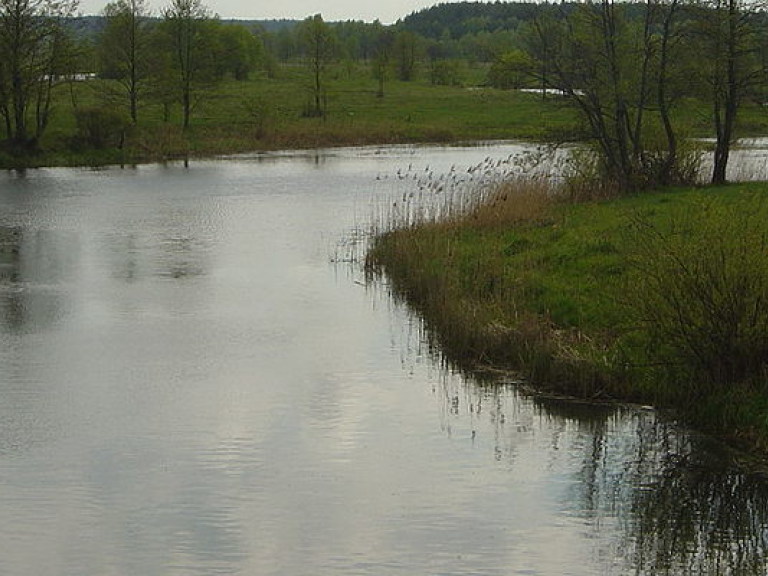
<point x="387" y="11"/>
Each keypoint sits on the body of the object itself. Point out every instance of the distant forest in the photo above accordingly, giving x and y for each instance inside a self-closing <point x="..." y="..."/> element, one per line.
<point x="477" y="30"/>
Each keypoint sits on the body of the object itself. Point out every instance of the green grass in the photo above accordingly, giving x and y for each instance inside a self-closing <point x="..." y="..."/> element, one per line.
<point x="563" y="294"/>
<point x="266" y="114"/>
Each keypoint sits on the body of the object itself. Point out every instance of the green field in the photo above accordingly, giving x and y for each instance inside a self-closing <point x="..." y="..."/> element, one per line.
<point x="267" y="114"/>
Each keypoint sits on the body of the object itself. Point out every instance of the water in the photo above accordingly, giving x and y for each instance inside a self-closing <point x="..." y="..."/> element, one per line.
<point x="194" y="380"/>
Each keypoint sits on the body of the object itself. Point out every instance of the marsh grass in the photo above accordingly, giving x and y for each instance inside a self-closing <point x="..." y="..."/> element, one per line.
<point x="660" y="298"/>
<point x="465" y="251"/>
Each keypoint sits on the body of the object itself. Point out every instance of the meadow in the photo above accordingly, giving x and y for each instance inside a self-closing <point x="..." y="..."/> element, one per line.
<point x="90" y="124"/>
<point x="265" y="113"/>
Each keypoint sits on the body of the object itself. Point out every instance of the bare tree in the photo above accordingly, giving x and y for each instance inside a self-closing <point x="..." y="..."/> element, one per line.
<point x="617" y="71"/>
<point x="728" y="42"/>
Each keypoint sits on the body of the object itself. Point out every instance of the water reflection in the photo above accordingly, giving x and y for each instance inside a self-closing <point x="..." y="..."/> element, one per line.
<point x="654" y="498"/>
<point x="694" y="517"/>
<point x="32" y="266"/>
<point x="187" y="387"/>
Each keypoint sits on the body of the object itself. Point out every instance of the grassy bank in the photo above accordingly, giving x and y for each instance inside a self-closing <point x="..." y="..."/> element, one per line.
<point x="659" y="298"/>
<point x="267" y="114"/>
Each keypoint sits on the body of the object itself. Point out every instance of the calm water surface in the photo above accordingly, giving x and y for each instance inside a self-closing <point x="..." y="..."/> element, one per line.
<point x="191" y="383"/>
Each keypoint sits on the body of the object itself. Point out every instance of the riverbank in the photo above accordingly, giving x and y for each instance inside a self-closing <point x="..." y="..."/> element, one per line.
<point x="658" y="298"/>
<point x="89" y="126"/>
<point x="265" y="114"/>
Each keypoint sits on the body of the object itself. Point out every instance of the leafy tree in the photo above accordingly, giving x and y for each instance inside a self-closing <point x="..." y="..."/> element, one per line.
<point x="406" y="51"/>
<point x="287" y="44"/>
<point x="124" y="49"/>
<point x="163" y="80"/>
<point x="189" y="36"/>
<point x="511" y="70"/>
<point x="319" y="47"/>
<point x="269" y="52"/>
<point x="34" y="46"/>
<point x="239" y="51"/>
<point x="445" y="72"/>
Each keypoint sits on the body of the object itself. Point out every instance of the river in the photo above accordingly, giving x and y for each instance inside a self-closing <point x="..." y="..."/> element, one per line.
<point x="194" y="379"/>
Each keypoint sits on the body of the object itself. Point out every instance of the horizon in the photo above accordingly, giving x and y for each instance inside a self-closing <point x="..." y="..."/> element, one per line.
<point x="336" y="10"/>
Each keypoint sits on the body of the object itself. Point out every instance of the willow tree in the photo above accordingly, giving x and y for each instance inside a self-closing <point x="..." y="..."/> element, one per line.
<point x="34" y="49"/>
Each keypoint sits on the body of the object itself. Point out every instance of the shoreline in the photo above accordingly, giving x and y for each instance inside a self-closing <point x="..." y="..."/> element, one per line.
<point x="545" y="296"/>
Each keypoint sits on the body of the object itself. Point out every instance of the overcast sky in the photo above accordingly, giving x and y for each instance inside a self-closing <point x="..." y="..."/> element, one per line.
<point x="387" y="11"/>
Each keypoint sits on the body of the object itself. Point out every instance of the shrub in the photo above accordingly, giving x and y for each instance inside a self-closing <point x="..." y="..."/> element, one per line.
<point x="699" y="294"/>
<point x="446" y="73"/>
<point x="511" y="70"/>
<point x="262" y="114"/>
<point x="100" y="127"/>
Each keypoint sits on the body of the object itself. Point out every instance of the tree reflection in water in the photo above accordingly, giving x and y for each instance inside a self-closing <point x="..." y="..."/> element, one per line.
<point x="657" y="499"/>
<point x="696" y="515"/>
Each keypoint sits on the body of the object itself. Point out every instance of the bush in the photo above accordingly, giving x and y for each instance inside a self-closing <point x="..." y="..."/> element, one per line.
<point x="100" y="127"/>
<point x="445" y="73"/>
<point x="262" y="114"/>
<point x="699" y="295"/>
<point x="511" y="70"/>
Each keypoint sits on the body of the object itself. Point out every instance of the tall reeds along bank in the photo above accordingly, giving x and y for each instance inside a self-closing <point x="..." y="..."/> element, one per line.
<point x="474" y="267"/>
<point x="659" y="298"/>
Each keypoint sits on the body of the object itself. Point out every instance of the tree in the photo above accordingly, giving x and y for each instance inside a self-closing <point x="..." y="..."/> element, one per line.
<point x="239" y="51"/>
<point x="124" y="49"/>
<point x="728" y="41"/>
<point x="539" y="38"/>
<point x="34" y="46"/>
<point x="382" y="54"/>
<point x="163" y="82"/>
<point x="510" y="70"/>
<point x="190" y="40"/>
<point x="406" y="51"/>
<point x="617" y="70"/>
<point x="319" y="46"/>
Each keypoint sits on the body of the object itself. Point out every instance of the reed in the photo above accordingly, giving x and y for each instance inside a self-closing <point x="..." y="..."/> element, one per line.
<point x="659" y="298"/>
<point x="461" y="250"/>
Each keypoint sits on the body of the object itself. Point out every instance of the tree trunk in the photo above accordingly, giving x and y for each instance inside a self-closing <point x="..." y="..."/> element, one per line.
<point x="726" y="121"/>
